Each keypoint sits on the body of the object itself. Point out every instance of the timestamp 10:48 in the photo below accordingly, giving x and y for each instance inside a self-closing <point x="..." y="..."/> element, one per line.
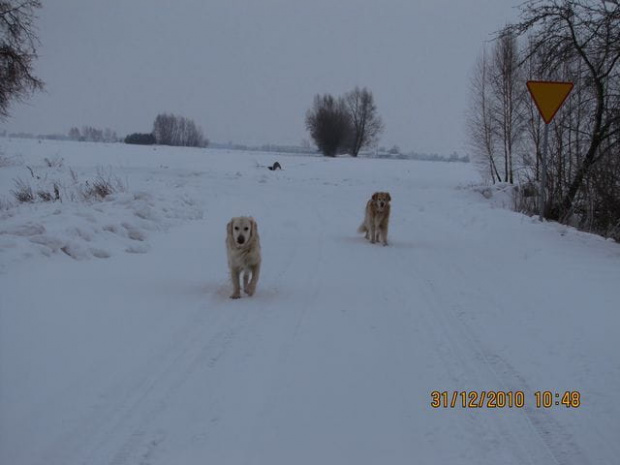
<point x="548" y="399"/>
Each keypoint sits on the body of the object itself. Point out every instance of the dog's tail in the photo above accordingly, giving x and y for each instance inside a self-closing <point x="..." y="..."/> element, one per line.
<point x="362" y="228"/>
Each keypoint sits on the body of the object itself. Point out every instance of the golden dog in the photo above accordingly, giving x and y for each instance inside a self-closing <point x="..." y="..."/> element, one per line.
<point x="377" y="218"/>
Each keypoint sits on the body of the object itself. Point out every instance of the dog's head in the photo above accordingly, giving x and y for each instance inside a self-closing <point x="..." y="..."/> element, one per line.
<point x="381" y="200"/>
<point x="241" y="230"/>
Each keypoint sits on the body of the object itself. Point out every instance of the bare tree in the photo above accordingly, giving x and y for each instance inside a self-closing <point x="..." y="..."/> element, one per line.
<point x="178" y="131"/>
<point x="587" y="32"/>
<point x="329" y="124"/>
<point x="74" y="133"/>
<point x="17" y="52"/>
<point x="604" y="216"/>
<point x="482" y="138"/>
<point x="496" y="118"/>
<point x="366" y="124"/>
<point x="91" y="134"/>
<point x="109" y="135"/>
<point x="163" y="129"/>
<point x="193" y="135"/>
<point x="509" y="96"/>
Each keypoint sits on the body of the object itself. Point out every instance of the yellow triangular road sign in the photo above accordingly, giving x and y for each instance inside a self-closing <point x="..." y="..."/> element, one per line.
<point x="549" y="96"/>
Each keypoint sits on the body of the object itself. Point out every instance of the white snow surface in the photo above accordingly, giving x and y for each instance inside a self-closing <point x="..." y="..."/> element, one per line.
<point x="119" y="343"/>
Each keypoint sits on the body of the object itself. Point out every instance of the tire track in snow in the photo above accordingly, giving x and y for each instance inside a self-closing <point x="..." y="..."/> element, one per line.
<point x="116" y="424"/>
<point x="293" y="326"/>
<point x="560" y="444"/>
<point x="132" y="438"/>
<point x="115" y="429"/>
<point x="531" y="434"/>
<point x="131" y="432"/>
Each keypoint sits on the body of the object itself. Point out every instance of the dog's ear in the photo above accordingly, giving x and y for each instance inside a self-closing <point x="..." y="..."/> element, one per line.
<point x="229" y="228"/>
<point x="254" y="226"/>
<point x="375" y="196"/>
<point x="389" y="197"/>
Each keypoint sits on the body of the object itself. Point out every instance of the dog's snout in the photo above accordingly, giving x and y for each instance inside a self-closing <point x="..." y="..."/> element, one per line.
<point x="240" y="239"/>
<point x="382" y="204"/>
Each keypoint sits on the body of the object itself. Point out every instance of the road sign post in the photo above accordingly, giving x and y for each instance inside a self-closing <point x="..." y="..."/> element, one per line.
<point x="542" y="201"/>
<point x="548" y="97"/>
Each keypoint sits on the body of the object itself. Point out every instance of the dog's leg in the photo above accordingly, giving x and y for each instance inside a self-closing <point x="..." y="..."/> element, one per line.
<point x="234" y="276"/>
<point x="384" y="233"/>
<point x="252" y="286"/>
<point x="246" y="279"/>
<point x="373" y="232"/>
<point x="377" y="232"/>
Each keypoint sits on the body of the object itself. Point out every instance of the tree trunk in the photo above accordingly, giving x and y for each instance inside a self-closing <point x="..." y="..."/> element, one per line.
<point x="598" y="136"/>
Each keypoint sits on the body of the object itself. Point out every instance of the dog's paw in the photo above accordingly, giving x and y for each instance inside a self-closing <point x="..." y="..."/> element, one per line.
<point x="236" y="295"/>
<point x="250" y="291"/>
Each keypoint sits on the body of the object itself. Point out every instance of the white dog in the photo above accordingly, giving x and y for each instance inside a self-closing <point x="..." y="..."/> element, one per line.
<point x="243" y="249"/>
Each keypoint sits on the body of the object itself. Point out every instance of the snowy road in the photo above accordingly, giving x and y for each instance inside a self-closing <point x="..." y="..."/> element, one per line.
<point x="143" y="358"/>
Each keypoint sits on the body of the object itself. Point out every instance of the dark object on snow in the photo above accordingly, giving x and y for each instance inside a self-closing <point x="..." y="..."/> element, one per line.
<point x="276" y="166"/>
<point x="140" y="139"/>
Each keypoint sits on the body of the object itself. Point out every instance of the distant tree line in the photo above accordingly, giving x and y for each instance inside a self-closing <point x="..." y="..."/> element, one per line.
<point x="172" y="130"/>
<point x="140" y="139"/>
<point x="91" y="134"/>
<point x="555" y="40"/>
<point x="175" y="130"/>
<point x="344" y="124"/>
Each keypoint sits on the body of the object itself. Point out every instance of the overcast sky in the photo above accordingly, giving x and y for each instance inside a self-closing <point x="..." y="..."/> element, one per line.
<point x="247" y="70"/>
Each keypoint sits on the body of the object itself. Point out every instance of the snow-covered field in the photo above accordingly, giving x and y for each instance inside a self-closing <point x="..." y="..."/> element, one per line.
<point x="119" y="344"/>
